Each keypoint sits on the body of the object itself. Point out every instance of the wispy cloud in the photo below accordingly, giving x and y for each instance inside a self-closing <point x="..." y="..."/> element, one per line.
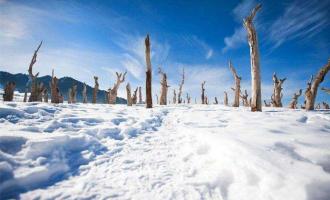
<point x="194" y="41"/>
<point x="300" y="19"/>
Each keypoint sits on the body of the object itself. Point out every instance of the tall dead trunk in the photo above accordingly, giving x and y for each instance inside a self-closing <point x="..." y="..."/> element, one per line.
<point x="312" y="86"/>
<point x="237" y="85"/>
<point x="9" y="91"/>
<point x="174" y="97"/>
<point x="163" y="87"/>
<point x="72" y="95"/>
<point x="180" y="88"/>
<point x="294" y="101"/>
<point x="277" y="91"/>
<point x="129" y="97"/>
<point x="148" y="74"/>
<point x="215" y="100"/>
<point x="96" y="89"/>
<point x="256" y="104"/>
<point x="245" y="99"/>
<point x="114" y="89"/>
<point x="188" y="98"/>
<point x="84" y="93"/>
<point x="134" y="97"/>
<point x="54" y="90"/>
<point x="140" y="95"/>
<point x="203" y="93"/>
<point x="33" y="77"/>
<point x="225" y="99"/>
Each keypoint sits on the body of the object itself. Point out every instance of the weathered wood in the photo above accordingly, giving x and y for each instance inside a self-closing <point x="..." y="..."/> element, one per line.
<point x="114" y="90"/>
<point x="215" y="100"/>
<point x="255" y="62"/>
<point x="277" y="91"/>
<point x="245" y="99"/>
<point x="96" y="89"/>
<point x="174" y="97"/>
<point x="34" y="95"/>
<point x="129" y="97"/>
<point x="84" y="93"/>
<point x="72" y="94"/>
<point x="180" y="87"/>
<point x="163" y="87"/>
<point x="313" y="84"/>
<point x="225" y="99"/>
<point x="54" y="90"/>
<point x="140" y="95"/>
<point x="8" y="94"/>
<point x="148" y="74"/>
<point x="294" y="101"/>
<point x="134" y="97"/>
<point x="203" y="93"/>
<point x="237" y="85"/>
<point x="188" y="98"/>
<point x="45" y="95"/>
<point x="325" y="105"/>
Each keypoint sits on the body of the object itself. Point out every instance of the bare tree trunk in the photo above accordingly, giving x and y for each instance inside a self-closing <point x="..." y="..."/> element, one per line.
<point x="206" y="100"/>
<point x="225" y="99"/>
<point x="188" y="98"/>
<point x="69" y="96"/>
<point x="73" y="94"/>
<point x="255" y="63"/>
<point x="9" y="91"/>
<point x="114" y="89"/>
<point x="237" y="85"/>
<point x="215" y="100"/>
<point x="148" y="74"/>
<point x="277" y="91"/>
<point x="134" y="98"/>
<point x="25" y="95"/>
<point x="129" y="99"/>
<point x="203" y="93"/>
<point x="45" y="95"/>
<point x="180" y="88"/>
<point x="33" y="78"/>
<point x="140" y="95"/>
<point x="84" y="93"/>
<point x="245" y="99"/>
<point x="96" y="89"/>
<point x="327" y="90"/>
<point x="325" y="105"/>
<point x="294" y="101"/>
<point x="54" y="90"/>
<point x="174" y="97"/>
<point x="266" y="104"/>
<point x="163" y="87"/>
<point x="312" y="86"/>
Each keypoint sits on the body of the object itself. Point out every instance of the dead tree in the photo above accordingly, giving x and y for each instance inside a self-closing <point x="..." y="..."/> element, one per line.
<point x="54" y="90"/>
<point x="148" y="74"/>
<point x="294" y="101"/>
<point x="325" y="105"/>
<point x="318" y="106"/>
<point x="203" y="93"/>
<point x="237" y="85"/>
<point x="33" y="77"/>
<point x="188" y="98"/>
<point x="327" y="90"/>
<point x="180" y="88"/>
<point x="225" y="99"/>
<point x="174" y="97"/>
<point x="245" y="99"/>
<point x="114" y="89"/>
<point x="84" y="93"/>
<point x="312" y="86"/>
<point x="72" y="94"/>
<point x="134" y="97"/>
<point x="9" y="91"/>
<point x="96" y="89"/>
<point x="45" y="95"/>
<point x="255" y="63"/>
<point x="206" y="100"/>
<point x="277" y="91"/>
<point x="215" y="100"/>
<point x="40" y="91"/>
<point x="25" y="95"/>
<point x="129" y="97"/>
<point x="140" y="95"/>
<point x="163" y="87"/>
<point x="266" y="104"/>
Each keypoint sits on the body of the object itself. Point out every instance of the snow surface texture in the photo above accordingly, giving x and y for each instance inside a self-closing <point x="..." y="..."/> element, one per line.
<point x="175" y="152"/>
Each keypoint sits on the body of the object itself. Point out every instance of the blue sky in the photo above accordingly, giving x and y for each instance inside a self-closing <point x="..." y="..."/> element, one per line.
<point x="87" y="38"/>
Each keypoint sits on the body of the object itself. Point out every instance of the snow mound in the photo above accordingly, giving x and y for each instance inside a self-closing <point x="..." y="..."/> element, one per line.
<point x="86" y="151"/>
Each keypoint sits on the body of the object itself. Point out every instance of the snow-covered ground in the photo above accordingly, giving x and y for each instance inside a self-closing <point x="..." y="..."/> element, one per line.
<point x="174" y="152"/>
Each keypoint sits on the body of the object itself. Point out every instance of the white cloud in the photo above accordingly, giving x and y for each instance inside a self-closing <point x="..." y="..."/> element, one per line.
<point x="197" y="43"/>
<point x="299" y="20"/>
<point x="243" y="9"/>
<point x="236" y="40"/>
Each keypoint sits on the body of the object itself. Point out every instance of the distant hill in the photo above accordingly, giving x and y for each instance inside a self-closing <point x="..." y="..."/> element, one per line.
<point x="64" y="84"/>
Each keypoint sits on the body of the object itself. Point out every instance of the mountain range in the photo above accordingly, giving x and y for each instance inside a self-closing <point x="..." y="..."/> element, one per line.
<point x="64" y="84"/>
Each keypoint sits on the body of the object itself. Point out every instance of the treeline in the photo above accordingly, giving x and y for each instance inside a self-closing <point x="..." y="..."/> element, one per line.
<point x="38" y="91"/>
